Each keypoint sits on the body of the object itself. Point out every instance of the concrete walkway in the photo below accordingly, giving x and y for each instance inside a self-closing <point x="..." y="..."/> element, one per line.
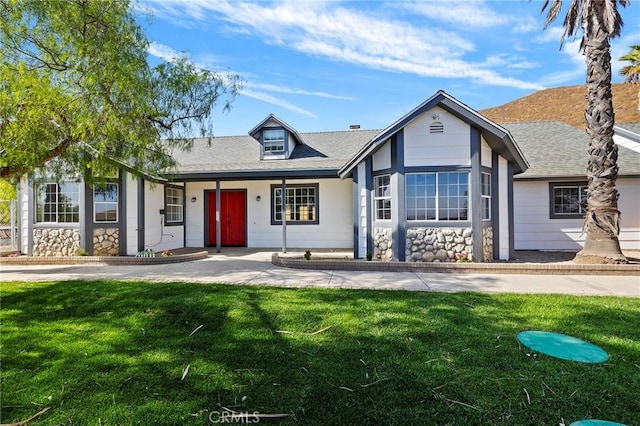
<point x="255" y="268"/>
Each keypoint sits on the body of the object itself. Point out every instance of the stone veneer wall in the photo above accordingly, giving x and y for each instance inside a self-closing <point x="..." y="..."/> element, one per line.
<point x="487" y="243"/>
<point x="438" y="244"/>
<point x="56" y="241"/>
<point x="106" y="241"/>
<point x="382" y="244"/>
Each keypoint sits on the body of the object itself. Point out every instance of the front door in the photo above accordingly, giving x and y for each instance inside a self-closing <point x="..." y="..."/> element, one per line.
<point x="233" y="218"/>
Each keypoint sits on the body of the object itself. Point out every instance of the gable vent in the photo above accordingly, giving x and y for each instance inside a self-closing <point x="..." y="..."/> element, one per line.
<point x="436" y="127"/>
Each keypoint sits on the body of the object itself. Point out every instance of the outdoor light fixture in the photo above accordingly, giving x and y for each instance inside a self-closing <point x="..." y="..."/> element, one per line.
<point x="258" y="198"/>
<point x="193" y="199"/>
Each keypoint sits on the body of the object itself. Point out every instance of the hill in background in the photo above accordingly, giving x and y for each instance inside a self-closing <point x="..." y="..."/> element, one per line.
<point x="565" y="104"/>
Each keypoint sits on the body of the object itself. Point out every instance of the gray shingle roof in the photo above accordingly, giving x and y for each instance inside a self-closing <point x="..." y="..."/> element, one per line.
<point x="556" y="149"/>
<point x="322" y="151"/>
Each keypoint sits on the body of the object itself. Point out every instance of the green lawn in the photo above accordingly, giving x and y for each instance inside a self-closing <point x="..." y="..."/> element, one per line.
<point x="108" y="352"/>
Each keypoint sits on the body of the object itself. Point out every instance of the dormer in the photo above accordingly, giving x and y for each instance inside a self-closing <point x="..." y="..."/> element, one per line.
<point x="277" y="139"/>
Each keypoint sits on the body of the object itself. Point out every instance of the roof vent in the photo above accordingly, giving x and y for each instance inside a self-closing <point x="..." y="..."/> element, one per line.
<point x="354" y="127"/>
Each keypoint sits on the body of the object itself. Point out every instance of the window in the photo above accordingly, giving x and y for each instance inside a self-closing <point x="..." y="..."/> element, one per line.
<point x="273" y="140"/>
<point x="568" y="200"/>
<point x="486" y="196"/>
<point x="382" y="197"/>
<point x="173" y="205"/>
<point x="58" y="203"/>
<point x="105" y="202"/>
<point x="437" y="196"/>
<point x="300" y="201"/>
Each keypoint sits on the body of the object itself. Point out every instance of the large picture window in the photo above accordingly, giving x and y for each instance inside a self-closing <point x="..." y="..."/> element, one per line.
<point x="174" y="205"/>
<point x="442" y="196"/>
<point x="57" y="202"/>
<point x="568" y="200"/>
<point x="105" y="202"/>
<point x="273" y="140"/>
<point x="382" y="197"/>
<point x="300" y="204"/>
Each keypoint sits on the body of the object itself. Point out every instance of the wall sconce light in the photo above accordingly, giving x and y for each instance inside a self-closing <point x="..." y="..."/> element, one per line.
<point x="193" y="199"/>
<point x="258" y="198"/>
<point x="436" y="117"/>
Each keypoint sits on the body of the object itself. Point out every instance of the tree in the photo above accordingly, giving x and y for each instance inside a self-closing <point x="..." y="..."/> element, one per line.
<point x="631" y="72"/>
<point x="600" y="21"/>
<point x="77" y="91"/>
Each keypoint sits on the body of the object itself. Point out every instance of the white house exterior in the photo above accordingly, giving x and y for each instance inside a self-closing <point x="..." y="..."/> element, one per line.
<point x="547" y="197"/>
<point x="440" y="183"/>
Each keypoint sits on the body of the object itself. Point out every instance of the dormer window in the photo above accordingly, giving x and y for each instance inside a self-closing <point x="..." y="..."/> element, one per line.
<point x="273" y="140"/>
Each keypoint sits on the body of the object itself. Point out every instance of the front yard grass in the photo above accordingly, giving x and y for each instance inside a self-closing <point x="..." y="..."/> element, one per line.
<point x="109" y="352"/>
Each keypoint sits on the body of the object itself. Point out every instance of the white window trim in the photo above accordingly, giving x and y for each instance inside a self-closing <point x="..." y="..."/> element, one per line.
<point x="377" y="198"/>
<point x="117" y="203"/>
<point x="437" y="198"/>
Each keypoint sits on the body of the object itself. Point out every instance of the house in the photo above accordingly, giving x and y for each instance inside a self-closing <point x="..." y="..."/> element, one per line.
<point x="440" y="183"/>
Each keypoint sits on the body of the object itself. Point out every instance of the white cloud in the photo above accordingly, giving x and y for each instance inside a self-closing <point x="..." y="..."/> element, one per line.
<point x="467" y="13"/>
<point x="335" y="32"/>
<point x="277" y="101"/>
<point x="283" y="89"/>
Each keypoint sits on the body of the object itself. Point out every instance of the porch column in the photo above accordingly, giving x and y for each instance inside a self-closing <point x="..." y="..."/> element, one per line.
<point x="141" y="224"/>
<point x="218" y="218"/>
<point x="284" y="215"/>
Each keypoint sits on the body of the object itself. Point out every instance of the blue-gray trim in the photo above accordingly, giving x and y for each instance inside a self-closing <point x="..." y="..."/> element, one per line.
<point x="552" y="213"/>
<point x="31" y="203"/>
<point x="183" y="188"/>
<point x="356" y="211"/>
<point x="368" y="166"/>
<point x="497" y="137"/>
<point x="495" y="204"/>
<point x="123" y="215"/>
<point x="399" y="224"/>
<point x="283" y="186"/>
<point x="512" y="233"/>
<point x="437" y="169"/>
<point x="86" y="237"/>
<point x="141" y="221"/>
<point x="475" y="183"/>
<point x="257" y="175"/>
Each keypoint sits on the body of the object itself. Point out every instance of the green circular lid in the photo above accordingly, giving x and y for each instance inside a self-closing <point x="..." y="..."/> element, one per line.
<point x="562" y="346"/>
<point x="591" y="422"/>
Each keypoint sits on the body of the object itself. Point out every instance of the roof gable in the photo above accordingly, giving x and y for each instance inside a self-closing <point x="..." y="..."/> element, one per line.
<point x="496" y="136"/>
<point x="255" y="132"/>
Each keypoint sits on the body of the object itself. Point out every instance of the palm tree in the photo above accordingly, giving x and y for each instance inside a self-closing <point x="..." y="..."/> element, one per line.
<point x="600" y="22"/>
<point x="631" y="72"/>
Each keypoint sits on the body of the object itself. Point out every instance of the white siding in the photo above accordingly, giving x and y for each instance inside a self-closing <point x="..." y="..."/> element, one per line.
<point x="422" y="148"/>
<point x="335" y="229"/>
<point x="382" y="158"/>
<point x="503" y="207"/>
<point x="23" y="214"/>
<point x="485" y="154"/>
<point x="363" y="213"/>
<point x="131" y="211"/>
<point x="535" y="231"/>
<point x="159" y="237"/>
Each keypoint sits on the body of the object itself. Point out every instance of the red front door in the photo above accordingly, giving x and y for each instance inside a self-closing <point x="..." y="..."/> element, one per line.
<point x="233" y="218"/>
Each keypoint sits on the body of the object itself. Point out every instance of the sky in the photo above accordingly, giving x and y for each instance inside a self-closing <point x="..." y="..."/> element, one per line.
<point x="326" y="65"/>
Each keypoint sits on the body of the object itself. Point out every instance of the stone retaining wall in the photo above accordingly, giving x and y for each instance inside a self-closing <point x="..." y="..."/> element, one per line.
<point x="56" y="241"/>
<point x="382" y="244"/>
<point x="438" y="244"/>
<point x="106" y="241"/>
<point x="487" y="244"/>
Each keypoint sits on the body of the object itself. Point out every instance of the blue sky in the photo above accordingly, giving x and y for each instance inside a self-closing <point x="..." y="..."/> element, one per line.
<point x="324" y="65"/>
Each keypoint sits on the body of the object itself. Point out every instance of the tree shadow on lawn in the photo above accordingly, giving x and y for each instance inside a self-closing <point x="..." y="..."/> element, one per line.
<point x="176" y="353"/>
